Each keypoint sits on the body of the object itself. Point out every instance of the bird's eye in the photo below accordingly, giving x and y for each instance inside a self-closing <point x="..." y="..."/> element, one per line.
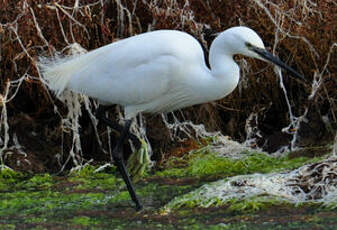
<point x="249" y="45"/>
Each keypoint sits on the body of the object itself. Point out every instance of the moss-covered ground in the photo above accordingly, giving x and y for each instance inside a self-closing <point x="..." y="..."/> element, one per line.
<point x="99" y="200"/>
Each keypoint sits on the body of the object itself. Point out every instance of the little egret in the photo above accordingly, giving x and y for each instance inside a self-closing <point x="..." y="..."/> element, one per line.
<point x="155" y="72"/>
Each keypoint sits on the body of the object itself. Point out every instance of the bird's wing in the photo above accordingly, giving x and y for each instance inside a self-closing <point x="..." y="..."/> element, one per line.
<point x="125" y="73"/>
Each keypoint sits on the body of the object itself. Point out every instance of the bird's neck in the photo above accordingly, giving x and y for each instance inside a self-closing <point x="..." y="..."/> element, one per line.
<point x="224" y="70"/>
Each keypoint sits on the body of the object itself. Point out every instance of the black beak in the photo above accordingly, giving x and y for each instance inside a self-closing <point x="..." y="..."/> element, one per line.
<point x="268" y="56"/>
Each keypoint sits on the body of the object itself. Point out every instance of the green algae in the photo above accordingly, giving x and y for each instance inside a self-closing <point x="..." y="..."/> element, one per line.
<point x="30" y="202"/>
<point x="8" y="226"/>
<point x="47" y="194"/>
<point x="54" y="206"/>
<point x="85" y="221"/>
<point x="43" y="199"/>
<point x="88" y="199"/>
<point x="253" y="204"/>
<point x="9" y="177"/>
<point x="99" y="181"/>
<point x="203" y="164"/>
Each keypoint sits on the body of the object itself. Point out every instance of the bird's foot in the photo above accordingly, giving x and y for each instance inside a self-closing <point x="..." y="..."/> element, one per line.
<point x="138" y="162"/>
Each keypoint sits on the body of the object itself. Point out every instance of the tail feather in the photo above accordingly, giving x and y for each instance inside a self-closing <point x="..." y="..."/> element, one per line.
<point x="57" y="71"/>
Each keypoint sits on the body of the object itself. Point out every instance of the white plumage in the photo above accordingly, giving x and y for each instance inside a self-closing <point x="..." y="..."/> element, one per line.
<point x="157" y="71"/>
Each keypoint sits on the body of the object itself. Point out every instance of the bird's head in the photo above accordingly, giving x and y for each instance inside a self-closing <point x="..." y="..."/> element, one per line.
<point x="245" y="41"/>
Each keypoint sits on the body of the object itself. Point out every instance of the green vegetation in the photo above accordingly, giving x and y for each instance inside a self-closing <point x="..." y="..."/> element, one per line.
<point x="98" y="200"/>
<point x="8" y="178"/>
<point x="82" y="199"/>
<point x="88" y="178"/>
<point x="255" y="203"/>
<point x="205" y="163"/>
<point x="85" y="221"/>
<point x="233" y="206"/>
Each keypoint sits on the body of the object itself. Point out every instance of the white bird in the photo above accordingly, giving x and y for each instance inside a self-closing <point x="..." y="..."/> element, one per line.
<point x="156" y="72"/>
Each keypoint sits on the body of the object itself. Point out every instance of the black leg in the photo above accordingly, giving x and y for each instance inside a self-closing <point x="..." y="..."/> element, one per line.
<point x="117" y="155"/>
<point x="101" y="115"/>
<point x="121" y="167"/>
